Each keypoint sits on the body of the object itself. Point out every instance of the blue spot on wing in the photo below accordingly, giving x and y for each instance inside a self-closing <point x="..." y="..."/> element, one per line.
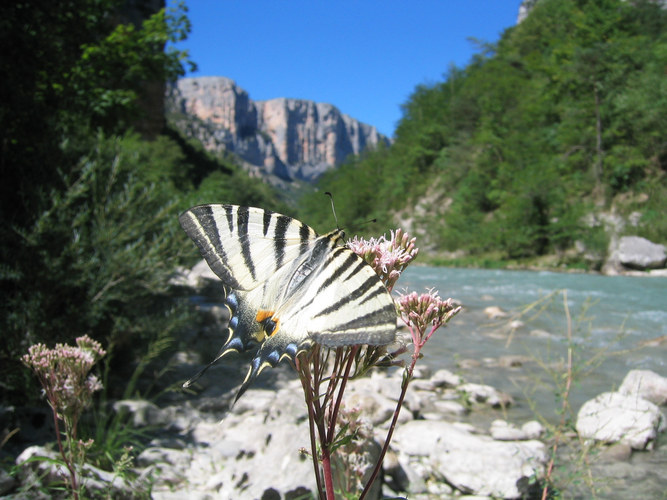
<point x="273" y="357"/>
<point x="232" y="300"/>
<point x="291" y="349"/>
<point x="236" y="344"/>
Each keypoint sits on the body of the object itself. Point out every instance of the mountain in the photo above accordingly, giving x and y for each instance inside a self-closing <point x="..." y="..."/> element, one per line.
<point x="279" y="139"/>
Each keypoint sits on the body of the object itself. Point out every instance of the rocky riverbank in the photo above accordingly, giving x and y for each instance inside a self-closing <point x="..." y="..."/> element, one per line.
<point x="204" y="449"/>
<point x="454" y="437"/>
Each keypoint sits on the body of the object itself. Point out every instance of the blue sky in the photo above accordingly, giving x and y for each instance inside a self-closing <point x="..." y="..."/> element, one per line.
<point x="364" y="56"/>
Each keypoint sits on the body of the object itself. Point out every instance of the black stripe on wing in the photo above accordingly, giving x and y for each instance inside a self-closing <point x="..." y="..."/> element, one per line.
<point x="242" y="219"/>
<point x="266" y="221"/>
<point x="199" y="223"/>
<point x="279" y="241"/>
<point x="349" y="261"/>
<point x="370" y="282"/>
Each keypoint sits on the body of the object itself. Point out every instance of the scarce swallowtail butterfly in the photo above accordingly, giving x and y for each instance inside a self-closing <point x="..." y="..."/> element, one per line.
<point x="286" y="287"/>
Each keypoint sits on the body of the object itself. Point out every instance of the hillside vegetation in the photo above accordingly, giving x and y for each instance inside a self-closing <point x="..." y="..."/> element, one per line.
<point x="565" y="116"/>
<point x="90" y="234"/>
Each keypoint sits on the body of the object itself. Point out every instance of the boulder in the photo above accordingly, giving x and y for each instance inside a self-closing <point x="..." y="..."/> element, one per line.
<point x="639" y="253"/>
<point x="141" y="413"/>
<point x="502" y="430"/>
<point x="228" y="458"/>
<point x="473" y="464"/>
<point x="495" y="312"/>
<point x="39" y="466"/>
<point x="479" y="393"/>
<point x="614" y="417"/>
<point x="645" y="384"/>
<point x="7" y="482"/>
<point x="444" y="378"/>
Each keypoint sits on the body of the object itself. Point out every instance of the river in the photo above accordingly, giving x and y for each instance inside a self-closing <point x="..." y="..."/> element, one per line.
<point x="613" y="317"/>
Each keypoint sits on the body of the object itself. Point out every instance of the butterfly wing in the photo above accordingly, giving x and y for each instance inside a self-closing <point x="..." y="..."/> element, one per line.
<point x="290" y="287"/>
<point x="331" y="297"/>
<point x="343" y="303"/>
<point x="244" y="245"/>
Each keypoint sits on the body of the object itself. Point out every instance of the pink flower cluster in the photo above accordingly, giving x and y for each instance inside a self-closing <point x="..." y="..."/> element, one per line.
<point x="387" y="257"/>
<point x="63" y="373"/>
<point x="419" y="312"/>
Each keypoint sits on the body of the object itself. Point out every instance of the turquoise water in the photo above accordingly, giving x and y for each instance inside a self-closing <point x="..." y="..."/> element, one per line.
<point x="612" y="318"/>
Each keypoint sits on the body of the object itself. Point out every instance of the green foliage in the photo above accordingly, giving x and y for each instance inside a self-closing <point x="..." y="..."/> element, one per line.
<point x="69" y="67"/>
<point x="568" y="109"/>
<point x="97" y="260"/>
<point x="90" y="236"/>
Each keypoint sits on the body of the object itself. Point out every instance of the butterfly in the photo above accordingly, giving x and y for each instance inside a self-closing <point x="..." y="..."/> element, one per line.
<point x="286" y="287"/>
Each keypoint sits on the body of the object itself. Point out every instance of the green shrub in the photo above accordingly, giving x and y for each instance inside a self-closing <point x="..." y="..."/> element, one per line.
<point x="96" y="262"/>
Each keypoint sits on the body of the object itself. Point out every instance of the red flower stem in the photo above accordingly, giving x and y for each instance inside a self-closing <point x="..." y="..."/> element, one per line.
<point x="328" y="476"/>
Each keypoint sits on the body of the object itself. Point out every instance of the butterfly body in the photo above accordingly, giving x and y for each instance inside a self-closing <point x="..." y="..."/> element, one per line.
<point x="286" y="287"/>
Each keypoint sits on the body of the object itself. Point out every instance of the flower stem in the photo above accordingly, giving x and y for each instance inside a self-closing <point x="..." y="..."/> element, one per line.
<point x="407" y="377"/>
<point x="305" y="374"/>
<point x="333" y="417"/>
<point x="328" y="476"/>
<point x="68" y="462"/>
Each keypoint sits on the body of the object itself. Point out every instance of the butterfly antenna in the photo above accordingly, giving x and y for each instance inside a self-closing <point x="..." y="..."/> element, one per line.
<point x="333" y="207"/>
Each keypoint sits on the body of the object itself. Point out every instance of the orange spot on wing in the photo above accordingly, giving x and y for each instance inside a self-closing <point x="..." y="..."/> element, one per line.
<point x="263" y="315"/>
<point x="269" y="324"/>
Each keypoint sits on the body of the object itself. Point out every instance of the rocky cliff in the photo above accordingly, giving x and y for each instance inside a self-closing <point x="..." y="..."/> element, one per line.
<point x="286" y="139"/>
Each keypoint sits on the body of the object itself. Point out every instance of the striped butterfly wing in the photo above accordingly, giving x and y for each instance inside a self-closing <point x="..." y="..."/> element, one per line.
<point x="245" y="245"/>
<point x="286" y="287"/>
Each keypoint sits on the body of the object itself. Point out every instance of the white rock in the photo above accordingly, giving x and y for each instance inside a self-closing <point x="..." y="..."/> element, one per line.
<point x="450" y="408"/>
<point x="472" y="463"/>
<point x="197" y="276"/>
<point x="478" y="393"/>
<point x="645" y="384"/>
<point x="376" y="408"/>
<point x="611" y="417"/>
<point x="494" y="312"/>
<point x="445" y="378"/>
<point x="637" y="252"/>
<point x="533" y="429"/>
<point x="143" y="412"/>
<point x="44" y="466"/>
<point x="540" y="334"/>
<point x="501" y="430"/>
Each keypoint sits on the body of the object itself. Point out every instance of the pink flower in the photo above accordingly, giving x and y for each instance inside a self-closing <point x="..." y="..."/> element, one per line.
<point x="387" y="257"/>
<point x="419" y="312"/>
<point x="63" y="373"/>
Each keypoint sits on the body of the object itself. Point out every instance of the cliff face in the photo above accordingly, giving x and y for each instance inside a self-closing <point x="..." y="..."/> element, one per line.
<point x="286" y="138"/>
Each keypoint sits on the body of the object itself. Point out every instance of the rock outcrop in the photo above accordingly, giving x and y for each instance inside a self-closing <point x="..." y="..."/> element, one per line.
<point x="613" y="417"/>
<point x="639" y="253"/>
<point x="286" y="139"/>
<point x="634" y="252"/>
